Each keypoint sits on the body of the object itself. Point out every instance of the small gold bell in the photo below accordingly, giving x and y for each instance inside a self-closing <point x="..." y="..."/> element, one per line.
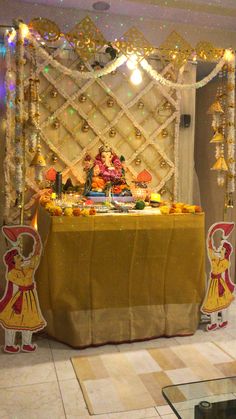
<point x="217" y="138"/>
<point x="138" y="133"/>
<point x="56" y="124"/>
<point x="112" y="132"/>
<point x="137" y="161"/>
<point x="81" y="67"/>
<point x="220" y="164"/>
<point x="163" y="163"/>
<point x="164" y="133"/>
<point x="38" y="159"/>
<point x="110" y="102"/>
<point x="85" y="127"/>
<point x="140" y="104"/>
<point x="54" y="93"/>
<point x="54" y="158"/>
<point x="82" y="98"/>
<point x="167" y="106"/>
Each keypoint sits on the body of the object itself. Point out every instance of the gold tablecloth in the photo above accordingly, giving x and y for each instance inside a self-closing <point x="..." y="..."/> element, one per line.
<point x="117" y="278"/>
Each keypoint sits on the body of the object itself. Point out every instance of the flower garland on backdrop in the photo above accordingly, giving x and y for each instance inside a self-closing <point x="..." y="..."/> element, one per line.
<point x="22" y="32"/>
<point x="120" y="61"/>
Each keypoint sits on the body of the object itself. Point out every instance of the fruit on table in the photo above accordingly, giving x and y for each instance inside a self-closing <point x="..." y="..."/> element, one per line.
<point x="76" y="212"/>
<point x="140" y="205"/>
<point x="68" y="212"/>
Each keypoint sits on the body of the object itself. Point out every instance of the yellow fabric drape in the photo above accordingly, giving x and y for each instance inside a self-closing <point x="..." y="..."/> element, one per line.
<point x="114" y="278"/>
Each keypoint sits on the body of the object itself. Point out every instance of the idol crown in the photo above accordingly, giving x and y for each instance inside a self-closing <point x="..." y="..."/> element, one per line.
<point x="105" y="147"/>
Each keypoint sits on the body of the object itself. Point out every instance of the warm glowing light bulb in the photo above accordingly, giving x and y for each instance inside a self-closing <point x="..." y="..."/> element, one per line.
<point x="228" y="55"/>
<point x="11" y="35"/>
<point x="136" y="77"/>
<point x="24" y="30"/>
<point x="132" y="62"/>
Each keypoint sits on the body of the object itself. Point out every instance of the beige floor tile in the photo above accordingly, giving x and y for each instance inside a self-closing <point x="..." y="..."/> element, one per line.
<point x="170" y="416"/>
<point x="73" y="399"/>
<point x="38" y="401"/>
<point x="27" y="368"/>
<point x="228" y="346"/>
<point x="62" y="355"/>
<point x="212" y="352"/>
<point x="164" y="410"/>
<point x="135" y="414"/>
<point x="148" y="344"/>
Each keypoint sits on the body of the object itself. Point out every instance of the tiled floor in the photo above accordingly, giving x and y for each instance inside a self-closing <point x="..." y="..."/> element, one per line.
<point x="43" y="385"/>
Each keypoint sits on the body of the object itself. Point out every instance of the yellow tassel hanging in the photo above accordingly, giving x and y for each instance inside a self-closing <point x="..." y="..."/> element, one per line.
<point x="220" y="164"/>
<point x="215" y="108"/>
<point x="217" y="138"/>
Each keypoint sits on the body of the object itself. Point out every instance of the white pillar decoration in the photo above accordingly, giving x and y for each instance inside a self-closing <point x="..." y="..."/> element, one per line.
<point x="231" y="129"/>
<point x="19" y="111"/>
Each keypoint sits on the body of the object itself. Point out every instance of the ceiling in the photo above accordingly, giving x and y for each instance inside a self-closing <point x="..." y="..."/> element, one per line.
<point x="219" y="14"/>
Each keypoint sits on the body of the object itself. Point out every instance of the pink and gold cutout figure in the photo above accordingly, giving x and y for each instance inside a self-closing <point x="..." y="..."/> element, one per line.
<point x="19" y="306"/>
<point x="219" y="294"/>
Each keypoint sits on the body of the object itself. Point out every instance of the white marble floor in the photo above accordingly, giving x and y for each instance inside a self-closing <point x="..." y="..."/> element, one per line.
<point x="43" y="385"/>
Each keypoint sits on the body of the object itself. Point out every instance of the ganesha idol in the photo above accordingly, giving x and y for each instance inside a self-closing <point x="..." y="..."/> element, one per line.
<point x="105" y="175"/>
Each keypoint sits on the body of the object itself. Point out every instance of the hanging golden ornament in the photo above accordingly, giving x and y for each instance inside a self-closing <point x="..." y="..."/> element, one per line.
<point x="82" y="98"/>
<point x="163" y="163"/>
<point x="217" y="138"/>
<point x="215" y="108"/>
<point x="85" y="127"/>
<point x="140" y="104"/>
<point x="56" y="124"/>
<point x="163" y="191"/>
<point x="81" y="67"/>
<point x="112" y="132"/>
<point x="137" y="161"/>
<point x="167" y="106"/>
<point x="164" y="133"/>
<point x="38" y="163"/>
<point x="220" y="164"/>
<point x="110" y="102"/>
<point x="54" y="158"/>
<point x="138" y="133"/>
<point x="54" y="93"/>
<point x="113" y="73"/>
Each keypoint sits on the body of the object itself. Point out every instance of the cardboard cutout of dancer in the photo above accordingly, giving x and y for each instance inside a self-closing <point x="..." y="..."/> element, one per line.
<point x="219" y="294"/>
<point x="19" y="307"/>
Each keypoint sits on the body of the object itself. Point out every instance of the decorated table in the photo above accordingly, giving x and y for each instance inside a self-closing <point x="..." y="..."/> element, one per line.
<point x="121" y="277"/>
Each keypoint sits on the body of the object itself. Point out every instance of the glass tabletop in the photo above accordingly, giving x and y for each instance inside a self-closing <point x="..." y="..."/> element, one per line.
<point x="210" y="399"/>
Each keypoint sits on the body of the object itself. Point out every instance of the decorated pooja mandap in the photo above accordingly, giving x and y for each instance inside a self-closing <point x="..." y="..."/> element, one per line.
<point x="93" y="163"/>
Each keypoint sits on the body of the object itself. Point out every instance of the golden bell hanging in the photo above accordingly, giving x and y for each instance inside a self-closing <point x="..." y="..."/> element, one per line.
<point x="140" y="104"/>
<point x="167" y="106"/>
<point x="82" y="98"/>
<point x="54" y="158"/>
<point x="137" y="161"/>
<point x="38" y="159"/>
<point x="215" y="108"/>
<point x="220" y="164"/>
<point x="81" y="67"/>
<point x="163" y="163"/>
<point x="164" y="133"/>
<point x="85" y="127"/>
<point x="56" y="124"/>
<point x="217" y="138"/>
<point x="110" y="102"/>
<point x="54" y="93"/>
<point x="112" y="132"/>
<point x="138" y="133"/>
